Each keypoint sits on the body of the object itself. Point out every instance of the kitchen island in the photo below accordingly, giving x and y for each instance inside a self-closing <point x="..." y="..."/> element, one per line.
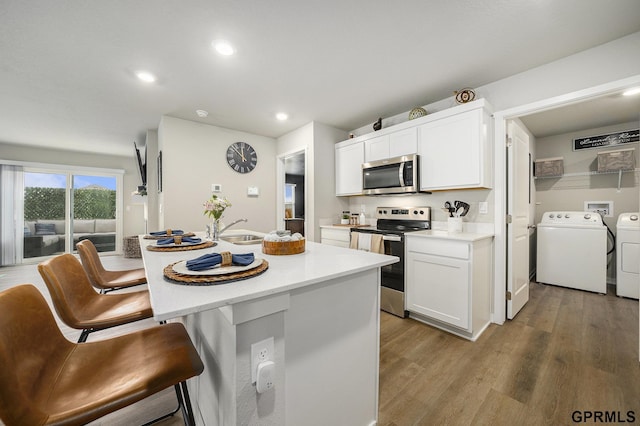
<point x="321" y="308"/>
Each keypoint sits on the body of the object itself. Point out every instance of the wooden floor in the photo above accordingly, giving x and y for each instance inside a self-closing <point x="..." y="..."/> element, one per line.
<point x="567" y="350"/>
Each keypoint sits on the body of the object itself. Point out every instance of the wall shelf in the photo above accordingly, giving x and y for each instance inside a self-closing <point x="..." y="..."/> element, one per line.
<point x="591" y="173"/>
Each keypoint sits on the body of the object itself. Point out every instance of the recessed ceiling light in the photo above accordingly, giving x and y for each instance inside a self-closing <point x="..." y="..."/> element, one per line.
<point x="201" y="113"/>
<point x="145" y="76"/>
<point x="282" y="116"/>
<point x="632" y="91"/>
<point x="223" y="47"/>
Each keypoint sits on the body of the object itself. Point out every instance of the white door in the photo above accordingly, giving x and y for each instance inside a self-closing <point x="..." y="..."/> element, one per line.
<point x="518" y="208"/>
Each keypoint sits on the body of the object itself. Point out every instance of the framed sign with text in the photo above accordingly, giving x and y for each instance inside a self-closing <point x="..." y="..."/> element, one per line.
<point x="618" y="138"/>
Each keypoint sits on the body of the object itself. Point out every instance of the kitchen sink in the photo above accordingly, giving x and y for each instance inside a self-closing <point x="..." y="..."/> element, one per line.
<point x="242" y="239"/>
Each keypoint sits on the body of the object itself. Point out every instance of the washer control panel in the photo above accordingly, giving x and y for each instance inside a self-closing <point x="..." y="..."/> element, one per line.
<point x="572" y="218"/>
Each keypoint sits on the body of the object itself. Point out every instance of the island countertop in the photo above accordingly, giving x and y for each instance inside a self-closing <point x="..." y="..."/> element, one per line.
<point x="317" y="264"/>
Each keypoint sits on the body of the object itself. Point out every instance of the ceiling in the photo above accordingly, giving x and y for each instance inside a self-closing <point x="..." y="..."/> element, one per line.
<point x="597" y="112"/>
<point x="67" y="67"/>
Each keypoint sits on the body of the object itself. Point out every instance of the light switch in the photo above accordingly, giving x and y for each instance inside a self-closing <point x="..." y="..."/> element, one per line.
<point x="253" y="191"/>
<point x="216" y="187"/>
<point x="483" y="207"/>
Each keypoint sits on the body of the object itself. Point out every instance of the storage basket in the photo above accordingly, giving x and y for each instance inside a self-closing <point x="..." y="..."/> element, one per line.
<point x="612" y="161"/>
<point x="549" y="167"/>
<point x="283" y="247"/>
<point x="132" y="247"/>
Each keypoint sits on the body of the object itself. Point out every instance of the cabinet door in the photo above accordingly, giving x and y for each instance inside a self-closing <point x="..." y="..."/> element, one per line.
<point x="403" y="142"/>
<point x="451" y="153"/>
<point x="376" y="148"/>
<point x="349" y="159"/>
<point x="438" y="287"/>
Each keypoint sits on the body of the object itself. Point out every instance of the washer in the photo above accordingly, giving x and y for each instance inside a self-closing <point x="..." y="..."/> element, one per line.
<point x="628" y="255"/>
<point x="572" y="251"/>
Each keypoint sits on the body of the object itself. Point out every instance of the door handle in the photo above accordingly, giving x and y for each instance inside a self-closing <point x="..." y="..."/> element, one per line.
<point x="531" y="226"/>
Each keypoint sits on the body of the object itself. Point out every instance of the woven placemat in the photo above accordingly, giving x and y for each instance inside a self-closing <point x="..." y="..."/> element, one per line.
<point x="205" y="244"/>
<point x="160" y="237"/>
<point x="203" y="280"/>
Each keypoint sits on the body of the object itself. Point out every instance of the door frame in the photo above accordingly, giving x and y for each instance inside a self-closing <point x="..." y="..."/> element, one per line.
<point x="500" y="179"/>
<point x="280" y="181"/>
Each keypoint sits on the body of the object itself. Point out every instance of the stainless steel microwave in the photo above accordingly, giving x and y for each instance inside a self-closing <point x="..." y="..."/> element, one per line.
<point x="398" y="175"/>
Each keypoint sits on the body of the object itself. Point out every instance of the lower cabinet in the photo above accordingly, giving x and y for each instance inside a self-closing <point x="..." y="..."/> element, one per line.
<point x="335" y="236"/>
<point x="449" y="283"/>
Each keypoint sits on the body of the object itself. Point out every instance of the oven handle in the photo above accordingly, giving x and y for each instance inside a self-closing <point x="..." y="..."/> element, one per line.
<point x="384" y="237"/>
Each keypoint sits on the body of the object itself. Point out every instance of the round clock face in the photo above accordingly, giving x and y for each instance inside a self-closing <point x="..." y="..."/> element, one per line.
<point x="242" y="157"/>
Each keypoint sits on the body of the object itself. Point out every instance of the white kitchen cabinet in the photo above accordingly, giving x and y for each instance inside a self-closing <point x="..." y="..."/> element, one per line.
<point x="340" y="237"/>
<point x="449" y="283"/>
<point x="394" y="144"/>
<point x="455" y="151"/>
<point x="348" y="161"/>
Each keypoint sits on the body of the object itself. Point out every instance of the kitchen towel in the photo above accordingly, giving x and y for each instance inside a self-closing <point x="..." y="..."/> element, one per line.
<point x="366" y="242"/>
<point x="210" y="260"/>
<point x="184" y="240"/>
<point x="377" y="244"/>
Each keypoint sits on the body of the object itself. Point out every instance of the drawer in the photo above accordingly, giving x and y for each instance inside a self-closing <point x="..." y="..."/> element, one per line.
<point x="335" y="234"/>
<point x="439" y="247"/>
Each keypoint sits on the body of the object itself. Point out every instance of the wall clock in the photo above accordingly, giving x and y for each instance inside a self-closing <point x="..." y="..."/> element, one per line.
<point x="241" y="157"/>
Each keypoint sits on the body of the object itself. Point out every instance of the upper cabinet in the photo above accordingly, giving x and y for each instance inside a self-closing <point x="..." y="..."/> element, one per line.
<point x="455" y="151"/>
<point x="349" y="159"/>
<point x="402" y="142"/>
<point x="454" y="147"/>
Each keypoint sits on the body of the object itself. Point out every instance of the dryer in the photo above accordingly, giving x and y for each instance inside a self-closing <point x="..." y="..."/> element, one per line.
<point x="572" y="250"/>
<point x="628" y="255"/>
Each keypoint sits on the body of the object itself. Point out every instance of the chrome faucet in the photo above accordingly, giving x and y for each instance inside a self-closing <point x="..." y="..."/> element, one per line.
<point x="231" y="224"/>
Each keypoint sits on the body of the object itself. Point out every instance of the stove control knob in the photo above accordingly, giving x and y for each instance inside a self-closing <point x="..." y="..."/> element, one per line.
<point x="558" y="215"/>
<point x="567" y="215"/>
<point x="633" y="217"/>
<point x="587" y="216"/>
<point x="421" y="211"/>
<point x="551" y="215"/>
<point x="416" y="212"/>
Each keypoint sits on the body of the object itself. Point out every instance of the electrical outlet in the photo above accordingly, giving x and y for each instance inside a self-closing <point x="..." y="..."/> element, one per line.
<point x="261" y="351"/>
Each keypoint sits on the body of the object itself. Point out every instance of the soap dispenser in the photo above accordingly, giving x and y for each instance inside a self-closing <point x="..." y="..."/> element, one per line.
<point x="363" y="218"/>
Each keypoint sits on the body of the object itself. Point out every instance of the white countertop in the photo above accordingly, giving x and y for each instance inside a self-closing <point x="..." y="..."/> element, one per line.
<point x="445" y="235"/>
<point x="318" y="263"/>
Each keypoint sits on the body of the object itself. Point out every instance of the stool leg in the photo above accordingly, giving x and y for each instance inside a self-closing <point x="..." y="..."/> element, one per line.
<point x="187" y="405"/>
<point x="84" y="335"/>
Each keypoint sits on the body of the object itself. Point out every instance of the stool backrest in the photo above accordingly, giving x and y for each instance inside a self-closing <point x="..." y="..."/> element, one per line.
<point x="29" y="340"/>
<point x="91" y="262"/>
<point x="69" y="286"/>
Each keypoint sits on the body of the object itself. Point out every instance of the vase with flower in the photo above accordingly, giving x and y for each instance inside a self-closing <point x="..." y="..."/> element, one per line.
<point x="214" y="207"/>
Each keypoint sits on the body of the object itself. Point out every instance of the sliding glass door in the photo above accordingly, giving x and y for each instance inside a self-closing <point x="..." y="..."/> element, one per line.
<point x="61" y="209"/>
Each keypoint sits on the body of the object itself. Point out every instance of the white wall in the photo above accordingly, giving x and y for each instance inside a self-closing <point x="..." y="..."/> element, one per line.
<point x="319" y="142"/>
<point x="194" y="157"/>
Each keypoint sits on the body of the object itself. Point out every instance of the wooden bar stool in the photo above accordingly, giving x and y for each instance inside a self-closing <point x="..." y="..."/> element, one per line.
<point x="46" y="379"/>
<point x="79" y="306"/>
<point x="103" y="279"/>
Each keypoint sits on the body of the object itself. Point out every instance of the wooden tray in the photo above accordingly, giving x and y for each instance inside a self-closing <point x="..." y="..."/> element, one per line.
<point x="202" y="245"/>
<point x="283" y="247"/>
<point x="161" y="237"/>
<point x="203" y="280"/>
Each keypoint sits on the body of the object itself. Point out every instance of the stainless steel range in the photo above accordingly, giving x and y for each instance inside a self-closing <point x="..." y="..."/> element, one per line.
<point x="393" y="223"/>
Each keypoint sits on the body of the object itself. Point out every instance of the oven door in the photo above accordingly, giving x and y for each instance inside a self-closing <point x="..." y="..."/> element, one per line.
<point x="393" y="275"/>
